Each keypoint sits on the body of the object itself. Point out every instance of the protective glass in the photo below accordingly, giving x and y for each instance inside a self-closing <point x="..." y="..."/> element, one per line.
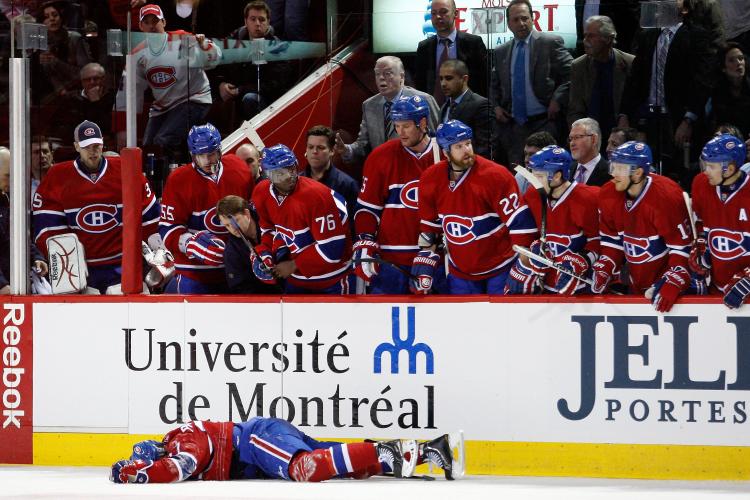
<point x="713" y="166"/>
<point x="207" y="160"/>
<point x="542" y="175"/>
<point x="620" y="169"/>
<point x="281" y="175"/>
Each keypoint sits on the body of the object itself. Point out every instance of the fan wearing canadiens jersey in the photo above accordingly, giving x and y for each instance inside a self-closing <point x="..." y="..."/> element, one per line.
<point x="476" y="204"/>
<point x="572" y="230"/>
<point x="189" y="225"/>
<point x="172" y="65"/>
<point x="387" y="221"/>
<point x="721" y="202"/>
<point x="643" y="219"/>
<point x="84" y="196"/>
<point x="304" y="227"/>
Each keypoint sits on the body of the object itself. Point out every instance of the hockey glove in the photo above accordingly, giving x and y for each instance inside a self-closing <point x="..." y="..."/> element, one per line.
<point x="698" y="285"/>
<point x="674" y="282"/>
<point x="738" y="289"/>
<point x="521" y="280"/>
<point x="205" y="247"/>
<point x="130" y="471"/>
<point x="149" y="450"/>
<point x="365" y="249"/>
<point x="566" y="284"/>
<point x="539" y="248"/>
<point x="262" y="263"/>
<point x="423" y="269"/>
<point x="700" y="258"/>
<point x="603" y="268"/>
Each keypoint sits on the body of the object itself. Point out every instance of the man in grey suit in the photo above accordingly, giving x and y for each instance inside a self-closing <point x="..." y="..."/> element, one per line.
<point x="530" y="82"/>
<point x="585" y="142"/>
<point x="597" y="78"/>
<point x="466" y="106"/>
<point x="376" y="126"/>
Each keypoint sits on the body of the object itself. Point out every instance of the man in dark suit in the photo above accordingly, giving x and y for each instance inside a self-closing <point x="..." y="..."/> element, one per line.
<point x="585" y="142"/>
<point x="464" y="105"/>
<point x="626" y="13"/>
<point x="530" y="81"/>
<point x="666" y="103"/>
<point x="464" y="46"/>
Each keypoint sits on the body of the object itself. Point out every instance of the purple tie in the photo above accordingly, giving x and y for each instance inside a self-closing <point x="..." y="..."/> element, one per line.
<point x="581" y="175"/>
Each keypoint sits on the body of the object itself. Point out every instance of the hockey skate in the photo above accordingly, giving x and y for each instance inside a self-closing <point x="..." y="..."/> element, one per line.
<point x="400" y="455"/>
<point x="446" y="452"/>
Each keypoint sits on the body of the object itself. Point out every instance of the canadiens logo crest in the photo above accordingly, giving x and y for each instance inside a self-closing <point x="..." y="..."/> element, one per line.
<point x="640" y="250"/>
<point x="212" y="222"/>
<point x="288" y="237"/>
<point x="161" y="77"/>
<point x="726" y="245"/>
<point x="409" y="195"/>
<point x="458" y="230"/>
<point x="97" y="218"/>
<point x="558" y="243"/>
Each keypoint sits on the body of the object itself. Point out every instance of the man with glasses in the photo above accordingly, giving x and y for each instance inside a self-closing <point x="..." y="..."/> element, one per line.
<point x="585" y="141"/>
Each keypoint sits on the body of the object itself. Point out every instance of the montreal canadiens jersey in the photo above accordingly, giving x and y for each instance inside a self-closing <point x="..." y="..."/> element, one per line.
<point x="69" y="199"/>
<point x="189" y="205"/>
<point x="312" y="223"/>
<point x="652" y="232"/>
<point x="572" y="222"/>
<point x="725" y="220"/>
<point x="482" y="215"/>
<point x="163" y="66"/>
<point x="387" y="203"/>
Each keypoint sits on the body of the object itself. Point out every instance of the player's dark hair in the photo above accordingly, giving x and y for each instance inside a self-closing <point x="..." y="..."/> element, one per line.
<point x="323" y="131"/>
<point x="629" y="133"/>
<point x="257" y="5"/>
<point x="527" y="3"/>
<point x="457" y="66"/>
<point x="231" y="205"/>
<point x="540" y="139"/>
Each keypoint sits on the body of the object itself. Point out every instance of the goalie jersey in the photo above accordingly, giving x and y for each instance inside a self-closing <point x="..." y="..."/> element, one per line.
<point x="482" y="216"/>
<point x="387" y="203"/>
<point x="652" y="232"/>
<point x="725" y="217"/>
<point x="69" y="199"/>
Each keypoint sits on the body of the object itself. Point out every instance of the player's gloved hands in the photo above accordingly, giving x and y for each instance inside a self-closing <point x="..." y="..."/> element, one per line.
<point x="566" y="284"/>
<point x="673" y="282"/>
<point x="130" y="471"/>
<point x="699" y="261"/>
<point x="262" y="263"/>
<point x="423" y="269"/>
<point x="205" y="247"/>
<point x="539" y="248"/>
<point x="521" y="280"/>
<point x="738" y="289"/>
<point x="698" y="285"/>
<point x="366" y="248"/>
<point x="603" y="268"/>
<point x="149" y="450"/>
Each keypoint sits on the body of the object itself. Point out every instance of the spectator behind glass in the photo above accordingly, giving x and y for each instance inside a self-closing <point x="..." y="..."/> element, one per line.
<point x="534" y="143"/>
<point x="251" y="156"/>
<point x="41" y="160"/>
<point x="210" y="17"/>
<point x="731" y="98"/>
<point x="289" y="18"/>
<point x="619" y="136"/>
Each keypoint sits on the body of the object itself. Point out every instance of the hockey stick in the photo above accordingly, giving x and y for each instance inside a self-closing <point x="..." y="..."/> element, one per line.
<point x="436" y="159"/>
<point x="543" y="260"/>
<point x="381" y="261"/>
<point x="542" y="195"/>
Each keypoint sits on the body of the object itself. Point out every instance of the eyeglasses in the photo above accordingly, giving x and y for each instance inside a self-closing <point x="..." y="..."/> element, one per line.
<point x="578" y="137"/>
<point x="385" y="74"/>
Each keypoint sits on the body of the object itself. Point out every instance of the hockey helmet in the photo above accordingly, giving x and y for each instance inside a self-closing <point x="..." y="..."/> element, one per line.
<point x="452" y="132"/>
<point x="410" y="107"/>
<point x="551" y="159"/>
<point x="203" y="139"/>
<point x="278" y="156"/>
<point x="724" y="149"/>
<point x="633" y="154"/>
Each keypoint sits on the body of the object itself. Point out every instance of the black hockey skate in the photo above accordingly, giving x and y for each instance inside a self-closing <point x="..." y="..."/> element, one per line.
<point x="438" y="452"/>
<point x="400" y="455"/>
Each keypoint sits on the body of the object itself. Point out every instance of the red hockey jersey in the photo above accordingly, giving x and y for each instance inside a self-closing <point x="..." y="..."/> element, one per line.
<point x="69" y="199"/>
<point x="387" y="203"/>
<point x="189" y="205"/>
<point x="311" y="226"/>
<point x="725" y="220"/>
<point x="572" y="222"/>
<point x="652" y="232"/>
<point x="482" y="216"/>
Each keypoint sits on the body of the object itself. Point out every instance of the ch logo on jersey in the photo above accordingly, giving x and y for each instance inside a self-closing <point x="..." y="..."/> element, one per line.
<point x="458" y="230"/>
<point x="409" y="195"/>
<point x="558" y="244"/>
<point x="640" y="250"/>
<point x="288" y="237"/>
<point x="97" y="218"/>
<point x="161" y="77"/>
<point x="212" y="222"/>
<point x="726" y="245"/>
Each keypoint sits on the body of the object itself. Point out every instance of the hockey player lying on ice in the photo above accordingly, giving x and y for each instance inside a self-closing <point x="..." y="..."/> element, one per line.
<point x="271" y="448"/>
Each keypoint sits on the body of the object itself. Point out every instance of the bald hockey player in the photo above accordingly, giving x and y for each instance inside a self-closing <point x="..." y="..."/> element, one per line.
<point x="643" y="219"/>
<point x="189" y="225"/>
<point x="721" y="202"/>
<point x="476" y="204"/>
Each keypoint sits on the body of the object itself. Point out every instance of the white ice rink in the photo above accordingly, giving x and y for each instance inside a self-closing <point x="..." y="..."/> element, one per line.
<point x="64" y="483"/>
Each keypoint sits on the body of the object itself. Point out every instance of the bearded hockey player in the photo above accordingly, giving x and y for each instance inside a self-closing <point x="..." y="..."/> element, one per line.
<point x="189" y="225"/>
<point x="273" y="448"/>
<point x="572" y="230"/>
<point x="721" y="202"/>
<point x="476" y="204"/>
<point x="643" y="219"/>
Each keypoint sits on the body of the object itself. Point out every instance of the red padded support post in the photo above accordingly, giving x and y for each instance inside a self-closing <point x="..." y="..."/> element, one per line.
<point x="132" y="205"/>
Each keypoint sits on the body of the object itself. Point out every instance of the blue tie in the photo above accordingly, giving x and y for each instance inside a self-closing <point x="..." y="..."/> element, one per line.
<point x="519" y="84"/>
